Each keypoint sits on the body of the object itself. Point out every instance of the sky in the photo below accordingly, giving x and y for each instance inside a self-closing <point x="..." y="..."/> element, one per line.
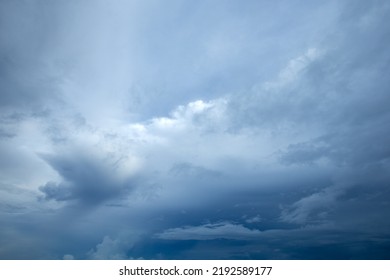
<point x="194" y="129"/>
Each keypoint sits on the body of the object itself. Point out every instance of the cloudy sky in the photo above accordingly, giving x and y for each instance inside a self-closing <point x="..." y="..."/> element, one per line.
<point x="194" y="129"/>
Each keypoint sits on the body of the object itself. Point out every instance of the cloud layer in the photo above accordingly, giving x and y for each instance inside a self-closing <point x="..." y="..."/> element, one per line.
<point x="196" y="130"/>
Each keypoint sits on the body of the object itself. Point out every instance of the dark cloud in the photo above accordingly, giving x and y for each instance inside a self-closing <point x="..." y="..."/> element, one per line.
<point x="326" y="242"/>
<point x="85" y="180"/>
<point x="182" y="130"/>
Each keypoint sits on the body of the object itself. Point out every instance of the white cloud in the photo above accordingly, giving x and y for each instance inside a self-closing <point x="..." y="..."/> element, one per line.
<point x="197" y="114"/>
<point x="108" y="250"/>
<point x="113" y="249"/>
<point x="293" y="70"/>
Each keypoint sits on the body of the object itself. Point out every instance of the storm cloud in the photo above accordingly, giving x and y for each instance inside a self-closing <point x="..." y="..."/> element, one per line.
<point x="194" y="130"/>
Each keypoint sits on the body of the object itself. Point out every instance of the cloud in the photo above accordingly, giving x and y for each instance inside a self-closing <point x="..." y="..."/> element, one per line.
<point x="170" y="118"/>
<point x="252" y="220"/>
<point x="115" y="249"/>
<point x="210" y="231"/>
<point x="109" y="250"/>
<point x="68" y="257"/>
<point x="88" y="178"/>
<point x="313" y="208"/>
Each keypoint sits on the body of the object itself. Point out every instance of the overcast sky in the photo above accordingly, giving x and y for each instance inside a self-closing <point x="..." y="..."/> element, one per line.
<point x="194" y="129"/>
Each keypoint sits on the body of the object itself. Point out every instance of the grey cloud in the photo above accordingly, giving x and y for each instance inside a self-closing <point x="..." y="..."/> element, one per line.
<point x="188" y="169"/>
<point x="6" y="134"/>
<point x="360" y="189"/>
<point x="210" y="231"/>
<point x="278" y="110"/>
<point x="26" y="80"/>
<point x="304" y="153"/>
<point x="344" y="85"/>
<point x="355" y="146"/>
<point x="58" y="192"/>
<point x="323" y="241"/>
<point x="86" y="180"/>
<point x="313" y="208"/>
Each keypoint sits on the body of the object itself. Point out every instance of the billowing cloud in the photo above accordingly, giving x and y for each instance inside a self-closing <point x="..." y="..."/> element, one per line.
<point x="110" y="250"/>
